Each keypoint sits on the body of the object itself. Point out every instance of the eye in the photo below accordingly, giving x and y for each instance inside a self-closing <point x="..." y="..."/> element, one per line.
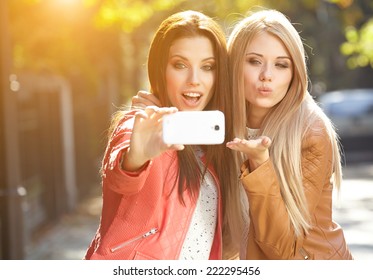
<point x="283" y="65"/>
<point x="179" y="65"/>
<point x="208" y="67"/>
<point x="253" y="61"/>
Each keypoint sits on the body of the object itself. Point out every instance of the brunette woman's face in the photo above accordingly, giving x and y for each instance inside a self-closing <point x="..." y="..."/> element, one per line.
<point x="267" y="73"/>
<point x="190" y="73"/>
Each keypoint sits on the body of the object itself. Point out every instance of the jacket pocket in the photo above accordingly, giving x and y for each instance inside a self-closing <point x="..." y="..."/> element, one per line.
<point x="134" y="239"/>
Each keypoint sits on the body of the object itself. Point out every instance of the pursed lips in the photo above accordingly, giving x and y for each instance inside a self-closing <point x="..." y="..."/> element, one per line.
<point x="265" y="90"/>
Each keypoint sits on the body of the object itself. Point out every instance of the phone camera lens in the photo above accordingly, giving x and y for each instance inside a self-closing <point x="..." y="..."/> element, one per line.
<point x="217" y="127"/>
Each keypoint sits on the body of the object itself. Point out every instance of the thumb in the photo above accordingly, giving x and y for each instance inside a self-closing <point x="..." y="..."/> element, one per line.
<point x="177" y="147"/>
<point x="266" y="142"/>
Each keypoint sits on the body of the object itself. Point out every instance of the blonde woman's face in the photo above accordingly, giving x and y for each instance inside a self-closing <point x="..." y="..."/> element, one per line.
<point x="267" y="73"/>
<point x="190" y="73"/>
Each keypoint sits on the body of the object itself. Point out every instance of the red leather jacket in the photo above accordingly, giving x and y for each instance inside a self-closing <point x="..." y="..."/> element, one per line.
<point x="142" y="216"/>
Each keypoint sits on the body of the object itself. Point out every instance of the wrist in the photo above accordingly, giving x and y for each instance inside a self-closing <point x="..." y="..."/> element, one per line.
<point x="131" y="163"/>
<point x="255" y="163"/>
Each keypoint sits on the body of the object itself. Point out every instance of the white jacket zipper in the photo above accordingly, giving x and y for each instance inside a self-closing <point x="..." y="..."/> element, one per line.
<point x="145" y="235"/>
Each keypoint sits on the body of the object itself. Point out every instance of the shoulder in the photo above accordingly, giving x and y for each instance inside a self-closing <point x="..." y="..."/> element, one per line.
<point x="317" y="126"/>
<point x="122" y="121"/>
<point x="316" y="136"/>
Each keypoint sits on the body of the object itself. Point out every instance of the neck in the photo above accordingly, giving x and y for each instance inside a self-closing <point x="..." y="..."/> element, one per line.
<point x="256" y="115"/>
<point x="254" y="120"/>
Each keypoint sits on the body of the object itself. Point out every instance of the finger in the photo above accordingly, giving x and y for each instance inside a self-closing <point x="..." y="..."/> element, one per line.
<point x="149" y="97"/>
<point x="142" y="101"/>
<point x="233" y="147"/>
<point x="235" y="144"/>
<point x="243" y="145"/>
<point x="177" y="147"/>
<point x="143" y="93"/>
<point x="165" y="111"/>
<point x="138" y="106"/>
<point x="266" y="142"/>
<point x="155" y="113"/>
<point x="140" y="115"/>
<point x="151" y="111"/>
<point x="138" y="103"/>
<point x="168" y="110"/>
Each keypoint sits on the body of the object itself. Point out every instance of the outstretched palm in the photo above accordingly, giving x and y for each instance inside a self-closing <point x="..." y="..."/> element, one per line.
<point x="256" y="149"/>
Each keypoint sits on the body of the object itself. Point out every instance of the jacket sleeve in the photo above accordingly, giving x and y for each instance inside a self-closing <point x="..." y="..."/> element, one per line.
<point x="114" y="177"/>
<point x="316" y="165"/>
<point x="271" y="224"/>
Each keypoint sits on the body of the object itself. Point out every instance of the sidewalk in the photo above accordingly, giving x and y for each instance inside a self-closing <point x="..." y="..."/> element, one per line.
<point x="69" y="239"/>
<point x="355" y="210"/>
<point x="71" y="236"/>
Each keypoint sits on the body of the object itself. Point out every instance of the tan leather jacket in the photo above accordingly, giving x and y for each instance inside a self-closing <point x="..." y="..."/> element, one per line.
<point x="270" y="236"/>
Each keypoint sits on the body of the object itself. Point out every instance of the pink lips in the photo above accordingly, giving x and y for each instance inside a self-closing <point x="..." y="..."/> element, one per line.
<point x="192" y="98"/>
<point x="265" y="91"/>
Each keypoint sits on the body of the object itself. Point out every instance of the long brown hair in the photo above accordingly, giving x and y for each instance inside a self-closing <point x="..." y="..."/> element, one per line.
<point x="190" y="24"/>
<point x="223" y="160"/>
<point x="181" y="25"/>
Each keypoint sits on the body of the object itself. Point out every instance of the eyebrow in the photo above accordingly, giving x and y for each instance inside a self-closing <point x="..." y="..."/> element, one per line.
<point x="258" y="54"/>
<point x="184" y="58"/>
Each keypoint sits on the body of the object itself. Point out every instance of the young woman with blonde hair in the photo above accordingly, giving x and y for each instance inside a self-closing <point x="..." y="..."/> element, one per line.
<point x="290" y="146"/>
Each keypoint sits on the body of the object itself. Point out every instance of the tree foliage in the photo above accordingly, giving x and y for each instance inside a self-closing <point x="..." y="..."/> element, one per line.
<point x="359" y="45"/>
<point x="129" y="14"/>
<point x="86" y="36"/>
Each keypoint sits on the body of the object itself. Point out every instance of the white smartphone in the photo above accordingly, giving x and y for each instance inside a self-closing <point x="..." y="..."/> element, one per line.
<point x="194" y="128"/>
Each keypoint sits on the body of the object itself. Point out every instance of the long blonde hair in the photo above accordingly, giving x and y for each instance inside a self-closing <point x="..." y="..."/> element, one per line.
<point x="287" y="123"/>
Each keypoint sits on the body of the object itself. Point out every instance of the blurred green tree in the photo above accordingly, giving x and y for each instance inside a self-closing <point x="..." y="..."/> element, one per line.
<point x="86" y="37"/>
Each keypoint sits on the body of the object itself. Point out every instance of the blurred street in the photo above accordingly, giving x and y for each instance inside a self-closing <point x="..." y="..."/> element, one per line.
<point x="355" y="210"/>
<point x="68" y="239"/>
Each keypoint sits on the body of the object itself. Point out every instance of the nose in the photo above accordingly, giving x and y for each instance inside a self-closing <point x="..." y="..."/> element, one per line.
<point x="194" y="77"/>
<point x="266" y="73"/>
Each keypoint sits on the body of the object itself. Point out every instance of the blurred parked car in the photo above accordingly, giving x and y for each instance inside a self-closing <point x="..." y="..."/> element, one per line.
<point x="351" y="111"/>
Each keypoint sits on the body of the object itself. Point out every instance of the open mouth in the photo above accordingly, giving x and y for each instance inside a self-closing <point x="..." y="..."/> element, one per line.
<point x="192" y="97"/>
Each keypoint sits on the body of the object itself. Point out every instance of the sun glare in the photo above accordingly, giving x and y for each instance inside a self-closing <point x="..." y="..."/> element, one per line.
<point x="67" y="2"/>
<point x="70" y="8"/>
<point x="70" y="4"/>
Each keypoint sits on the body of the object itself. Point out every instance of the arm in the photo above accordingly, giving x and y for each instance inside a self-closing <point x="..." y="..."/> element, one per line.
<point x="271" y="224"/>
<point x="133" y="145"/>
<point x="256" y="150"/>
<point x="316" y="165"/>
<point x="269" y="221"/>
<point x="146" y="140"/>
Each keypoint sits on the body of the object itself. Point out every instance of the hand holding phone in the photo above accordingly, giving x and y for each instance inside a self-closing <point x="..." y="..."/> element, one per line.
<point x="194" y="128"/>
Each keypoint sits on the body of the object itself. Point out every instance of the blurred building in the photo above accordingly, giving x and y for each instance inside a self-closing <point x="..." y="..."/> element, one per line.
<point x="52" y="135"/>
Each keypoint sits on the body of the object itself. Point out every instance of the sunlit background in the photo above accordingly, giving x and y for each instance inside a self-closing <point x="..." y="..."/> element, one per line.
<point x="67" y="65"/>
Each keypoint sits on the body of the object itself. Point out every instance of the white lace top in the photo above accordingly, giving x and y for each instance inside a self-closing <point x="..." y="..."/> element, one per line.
<point x="201" y="232"/>
<point x="252" y="133"/>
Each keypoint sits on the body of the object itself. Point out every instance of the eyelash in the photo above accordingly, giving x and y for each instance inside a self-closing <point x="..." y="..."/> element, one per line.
<point x="256" y="62"/>
<point x="179" y="65"/>
<point x="208" y="67"/>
